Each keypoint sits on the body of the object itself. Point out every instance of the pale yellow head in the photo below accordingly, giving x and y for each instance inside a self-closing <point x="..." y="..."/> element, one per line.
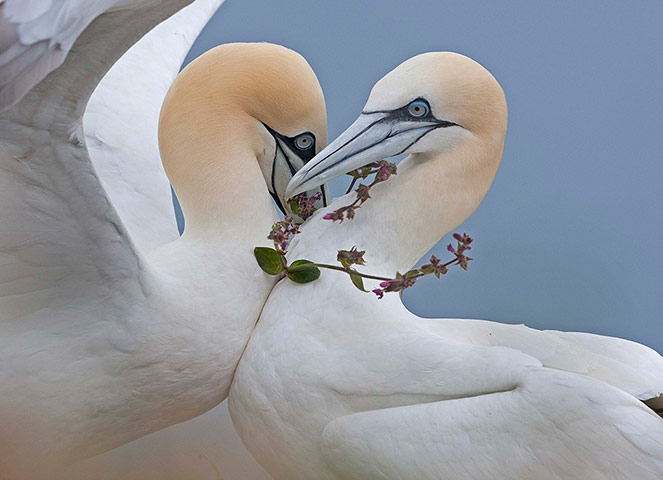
<point x="457" y="89"/>
<point x="426" y="106"/>
<point x="449" y="115"/>
<point x="237" y="112"/>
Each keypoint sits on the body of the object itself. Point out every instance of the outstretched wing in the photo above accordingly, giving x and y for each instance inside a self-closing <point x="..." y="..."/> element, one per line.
<point x="35" y="38"/>
<point x="121" y="122"/>
<point x="62" y="242"/>
<point x="553" y="426"/>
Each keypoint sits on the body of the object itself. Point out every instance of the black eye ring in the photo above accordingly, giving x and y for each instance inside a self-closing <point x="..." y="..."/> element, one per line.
<point x="304" y="141"/>
<point x="418" y="109"/>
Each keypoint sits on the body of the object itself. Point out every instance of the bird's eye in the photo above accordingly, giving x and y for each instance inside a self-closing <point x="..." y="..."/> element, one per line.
<point x="304" y="141"/>
<point x="418" y="109"/>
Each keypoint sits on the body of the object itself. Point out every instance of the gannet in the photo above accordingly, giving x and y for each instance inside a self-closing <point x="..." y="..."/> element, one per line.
<point x="112" y="326"/>
<point x="335" y="384"/>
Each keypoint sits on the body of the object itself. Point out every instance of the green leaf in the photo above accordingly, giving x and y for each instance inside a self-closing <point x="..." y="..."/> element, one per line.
<point x="294" y="208"/>
<point x="269" y="260"/>
<point x="357" y="281"/>
<point x="412" y="273"/>
<point x="303" y="271"/>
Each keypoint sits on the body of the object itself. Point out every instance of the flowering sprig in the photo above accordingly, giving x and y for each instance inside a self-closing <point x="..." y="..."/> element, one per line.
<point x="463" y="245"/>
<point x="273" y="260"/>
<point x="434" y="267"/>
<point x="383" y="170"/>
<point x="281" y="233"/>
<point x="303" y="206"/>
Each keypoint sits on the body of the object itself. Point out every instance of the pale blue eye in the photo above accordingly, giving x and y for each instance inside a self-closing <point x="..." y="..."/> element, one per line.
<point x="418" y="109"/>
<point x="305" y="141"/>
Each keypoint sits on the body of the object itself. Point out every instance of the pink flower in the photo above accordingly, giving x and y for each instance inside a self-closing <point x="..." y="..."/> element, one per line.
<point x="362" y="193"/>
<point x="337" y="214"/>
<point x="383" y="174"/>
<point x="451" y="248"/>
<point x="379" y="292"/>
<point x="347" y="258"/>
<point x="304" y="206"/>
<point x="398" y="284"/>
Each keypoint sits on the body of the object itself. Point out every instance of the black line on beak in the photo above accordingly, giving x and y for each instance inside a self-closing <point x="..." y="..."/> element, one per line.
<point x="394" y="116"/>
<point x="278" y="148"/>
<point x="287" y="159"/>
<point x="430" y="128"/>
<point x="346" y="143"/>
<point x="324" y="195"/>
<point x="272" y="191"/>
<point x="277" y="200"/>
<point x="417" y="139"/>
<point x="353" y="138"/>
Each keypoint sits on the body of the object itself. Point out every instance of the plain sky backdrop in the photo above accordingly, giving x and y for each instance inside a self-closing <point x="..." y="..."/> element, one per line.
<point x="569" y="237"/>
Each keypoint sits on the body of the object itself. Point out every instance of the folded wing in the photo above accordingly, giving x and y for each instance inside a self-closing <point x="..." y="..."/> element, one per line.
<point x="554" y="426"/>
<point x="629" y="366"/>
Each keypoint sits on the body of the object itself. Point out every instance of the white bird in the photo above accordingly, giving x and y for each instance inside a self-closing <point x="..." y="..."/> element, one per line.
<point x="335" y="384"/>
<point x="111" y="326"/>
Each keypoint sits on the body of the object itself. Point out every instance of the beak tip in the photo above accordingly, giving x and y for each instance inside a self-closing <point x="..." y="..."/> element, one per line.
<point x="294" y="188"/>
<point x="289" y="193"/>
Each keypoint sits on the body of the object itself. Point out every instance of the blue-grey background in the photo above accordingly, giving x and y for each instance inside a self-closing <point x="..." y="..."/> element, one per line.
<point x="569" y="236"/>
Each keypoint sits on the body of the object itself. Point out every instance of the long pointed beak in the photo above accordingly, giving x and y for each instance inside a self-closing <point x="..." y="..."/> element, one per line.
<point x="372" y="137"/>
<point x="286" y="164"/>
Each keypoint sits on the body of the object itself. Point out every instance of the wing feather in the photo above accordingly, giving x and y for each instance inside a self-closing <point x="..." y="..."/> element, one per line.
<point x="62" y="242"/>
<point x="37" y="36"/>
<point x="121" y="122"/>
<point x="518" y="435"/>
<point x="629" y="366"/>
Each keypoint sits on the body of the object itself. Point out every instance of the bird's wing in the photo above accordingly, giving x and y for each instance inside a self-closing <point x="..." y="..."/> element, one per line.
<point x="121" y="123"/>
<point x="630" y="366"/>
<point x="554" y="426"/>
<point x="61" y="240"/>
<point x="434" y="407"/>
<point x="35" y="38"/>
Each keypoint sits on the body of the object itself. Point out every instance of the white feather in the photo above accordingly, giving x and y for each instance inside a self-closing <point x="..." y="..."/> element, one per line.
<point x="97" y="348"/>
<point x="335" y="384"/>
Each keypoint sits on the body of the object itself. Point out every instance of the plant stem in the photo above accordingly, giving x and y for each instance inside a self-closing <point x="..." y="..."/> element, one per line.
<point x="364" y="176"/>
<point x="449" y="262"/>
<point x="341" y="269"/>
<point x="352" y="184"/>
<point x="371" y="277"/>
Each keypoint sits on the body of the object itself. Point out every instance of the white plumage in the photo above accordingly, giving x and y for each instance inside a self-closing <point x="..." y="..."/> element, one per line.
<point x="37" y="35"/>
<point x="111" y="325"/>
<point x="74" y="285"/>
<point x="336" y="384"/>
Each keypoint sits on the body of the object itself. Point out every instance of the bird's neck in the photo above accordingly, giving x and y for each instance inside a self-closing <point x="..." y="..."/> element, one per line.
<point x="227" y="212"/>
<point x="210" y="289"/>
<point x="226" y="198"/>
<point x="407" y="215"/>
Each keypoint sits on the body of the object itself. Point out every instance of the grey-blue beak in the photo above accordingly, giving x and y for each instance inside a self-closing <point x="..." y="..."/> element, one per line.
<point x="287" y="161"/>
<point x="372" y="137"/>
